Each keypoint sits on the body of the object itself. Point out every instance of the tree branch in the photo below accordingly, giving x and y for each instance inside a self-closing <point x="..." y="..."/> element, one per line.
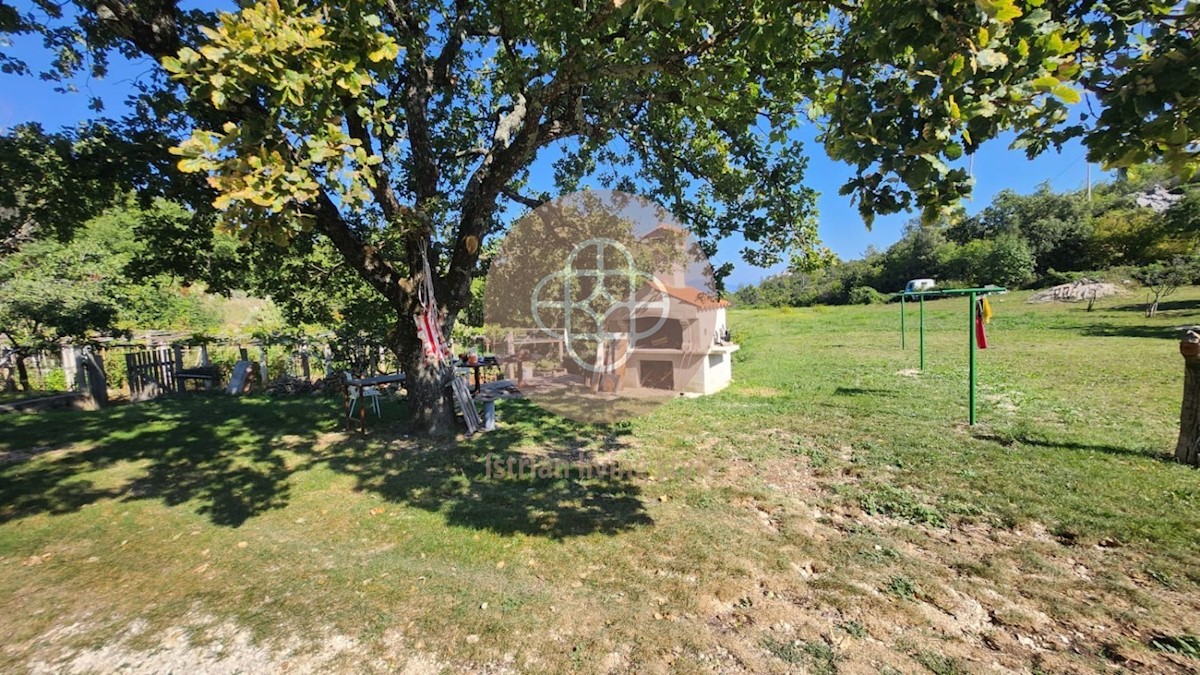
<point x="153" y="27"/>
<point x="456" y="32"/>
<point x="531" y="202"/>
<point x="384" y="194"/>
<point x="423" y="177"/>
<point x="366" y="259"/>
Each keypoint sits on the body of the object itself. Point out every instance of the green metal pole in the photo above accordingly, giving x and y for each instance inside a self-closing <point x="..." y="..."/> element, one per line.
<point x="971" y="364"/>
<point x="922" y="332"/>
<point x="902" y="345"/>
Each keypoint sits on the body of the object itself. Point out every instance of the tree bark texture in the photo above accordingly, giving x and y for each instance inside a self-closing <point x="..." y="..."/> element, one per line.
<point x="430" y="405"/>
<point x="1187" y="449"/>
<point x="22" y="372"/>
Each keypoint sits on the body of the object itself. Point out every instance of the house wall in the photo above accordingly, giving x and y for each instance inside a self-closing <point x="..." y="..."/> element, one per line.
<point x="699" y="367"/>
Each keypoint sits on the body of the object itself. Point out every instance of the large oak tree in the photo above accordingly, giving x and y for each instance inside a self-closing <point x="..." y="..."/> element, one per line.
<point x="396" y="128"/>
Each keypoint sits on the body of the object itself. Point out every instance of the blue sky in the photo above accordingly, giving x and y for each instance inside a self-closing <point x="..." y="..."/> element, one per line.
<point x="28" y="99"/>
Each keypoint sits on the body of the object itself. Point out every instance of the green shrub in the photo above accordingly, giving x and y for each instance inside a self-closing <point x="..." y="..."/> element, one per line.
<point x="56" y="380"/>
<point x="115" y="369"/>
<point x="865" y="295"/>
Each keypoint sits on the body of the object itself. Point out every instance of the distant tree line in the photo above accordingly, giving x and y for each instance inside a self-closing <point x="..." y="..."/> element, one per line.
<point x="1136" y="226"/>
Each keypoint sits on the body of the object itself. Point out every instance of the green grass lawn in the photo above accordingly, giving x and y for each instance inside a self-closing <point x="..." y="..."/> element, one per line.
<point x="830" y="511"/>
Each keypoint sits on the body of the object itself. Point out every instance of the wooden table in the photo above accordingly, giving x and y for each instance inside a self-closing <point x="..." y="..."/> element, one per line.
<point x="488" y="362"/>
<point x="363" y="383"/>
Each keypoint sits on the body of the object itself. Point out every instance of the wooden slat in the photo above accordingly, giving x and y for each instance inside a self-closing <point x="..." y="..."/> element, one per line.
<point x="462" y="394"/>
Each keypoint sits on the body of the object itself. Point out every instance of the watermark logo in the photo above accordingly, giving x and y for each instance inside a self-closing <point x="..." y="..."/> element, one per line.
<point x="601" y="306"/>
<point x="607" y="304"/>
<point x="524" y="467"/>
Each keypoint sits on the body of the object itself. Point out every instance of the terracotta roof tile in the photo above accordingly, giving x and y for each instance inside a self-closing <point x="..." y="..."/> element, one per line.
<point x="696" y="297"/>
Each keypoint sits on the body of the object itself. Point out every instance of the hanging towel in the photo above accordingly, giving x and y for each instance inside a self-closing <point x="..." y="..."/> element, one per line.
<point x="986" y="310"/>
<point x="435" y="346"/>
<point x="433" y="342"/>
<point x="980" y="332"/>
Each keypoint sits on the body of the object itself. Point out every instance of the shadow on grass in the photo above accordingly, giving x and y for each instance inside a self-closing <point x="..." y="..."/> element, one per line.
<point x="1164" y="307"/>
<point x="1140" y="453"/>
<point x="234" y="458"/>
<point x="453" y="479"/>
<point x="1120" y="330"/>
<point x="863" y="391"/>
<point x="219" y="453"/>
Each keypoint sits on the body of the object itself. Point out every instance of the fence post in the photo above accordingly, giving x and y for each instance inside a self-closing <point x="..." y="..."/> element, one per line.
<point x="131" y="377"/>
<point x="177" y="360"/>
<point x="304" y="361"/>
<point x="166" y="372"/>
<point x="70" y="372"/>
<point x="510" y="368"/>
<point x="91" y="367"/>
<point x="262" y="361"/>
<point x="327" y="355"/>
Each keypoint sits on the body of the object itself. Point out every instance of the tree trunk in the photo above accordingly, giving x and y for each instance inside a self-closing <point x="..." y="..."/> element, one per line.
<point x="1187" y="449"/>
<point x="431" y="408"/>
<point x="22" y="372"/>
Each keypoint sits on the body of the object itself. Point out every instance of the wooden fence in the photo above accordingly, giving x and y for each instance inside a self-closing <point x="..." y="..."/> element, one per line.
<point x="151" y="374"/>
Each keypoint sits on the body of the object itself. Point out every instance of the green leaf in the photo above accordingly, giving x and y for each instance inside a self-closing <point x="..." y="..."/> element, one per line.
<point x="1067" y="94"/>
<point x="956" y="64"/>
<point x="1045" y="83"/>
<point x="1000" y="10"/>
<point x="1054" y="42"/>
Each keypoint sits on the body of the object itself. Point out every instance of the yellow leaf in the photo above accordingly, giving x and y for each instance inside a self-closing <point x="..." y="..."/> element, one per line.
<point x="388" y="50"/>
<point x="213" y="53"/>
<point x="191" y="165"/>
<point x="188" y="55"/>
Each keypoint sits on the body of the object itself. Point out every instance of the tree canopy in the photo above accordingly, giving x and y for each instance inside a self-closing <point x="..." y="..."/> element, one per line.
<point x="396" y="129"/>
<point x="1045" y="237"/>
<point x="53" y="182"/>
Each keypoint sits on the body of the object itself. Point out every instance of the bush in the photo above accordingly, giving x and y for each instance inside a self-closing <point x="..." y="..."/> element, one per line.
<point x="865" y="295"/>
<point x="1055" y="278"/>
<point x="1010" y="262"/>
<point x="739" y="336"/>
<point x="56" y="380"/>
<point x="115" y="368"/>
